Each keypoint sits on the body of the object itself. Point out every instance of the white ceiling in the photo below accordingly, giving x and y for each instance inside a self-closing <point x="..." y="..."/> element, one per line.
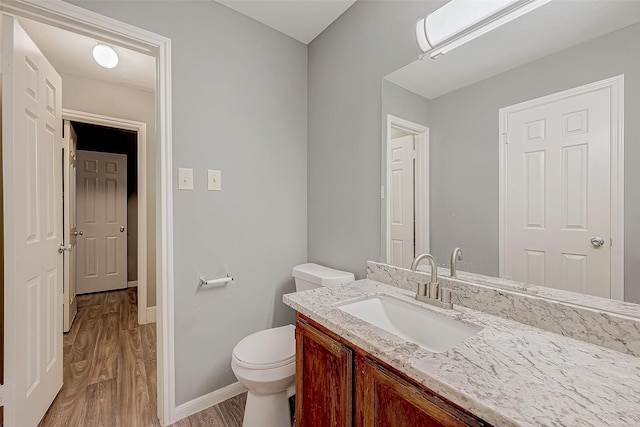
<point x="549" y="29"/>
<point x="301" y="19"/>
<point x="71" y="53"/>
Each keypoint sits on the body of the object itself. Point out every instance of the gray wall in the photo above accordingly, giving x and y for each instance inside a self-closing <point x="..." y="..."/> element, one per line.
<point x="239" y="105"/>
<point x="464" y="148"/>
<point x="346" y="65"/>
<point x="92" y="96"/>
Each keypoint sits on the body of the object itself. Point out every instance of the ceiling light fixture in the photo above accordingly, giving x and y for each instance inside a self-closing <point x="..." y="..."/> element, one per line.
<point x="461" y="21"/>
<point x="105" y="56"/>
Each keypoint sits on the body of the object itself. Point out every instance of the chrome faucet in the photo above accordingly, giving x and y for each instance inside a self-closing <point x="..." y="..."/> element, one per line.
<point x="430" y="293"/>
<point x="426" y="290"/>
<point x="456" y="255"/>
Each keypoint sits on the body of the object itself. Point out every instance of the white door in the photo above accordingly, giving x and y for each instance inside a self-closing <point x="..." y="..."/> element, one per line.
<point x="70" y="226"/>
<point x="102" y="220"/>
<point x="32" y="162"/>
<point x="402" y="205"/>
<point x="558" y="194"/>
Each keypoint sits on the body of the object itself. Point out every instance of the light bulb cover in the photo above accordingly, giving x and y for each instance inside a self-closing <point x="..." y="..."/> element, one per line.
<point x="105" y="56"/>
<point x="461" y="21"/>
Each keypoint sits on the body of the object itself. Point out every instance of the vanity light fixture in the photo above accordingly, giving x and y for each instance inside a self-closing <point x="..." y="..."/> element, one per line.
<point x="461" y="21"/>
<point x="105" y="56"/>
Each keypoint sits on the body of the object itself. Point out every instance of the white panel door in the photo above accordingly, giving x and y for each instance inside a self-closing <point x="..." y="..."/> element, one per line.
<point x="402" y="203"/>
<point x="70" y="226"/>
<point x="32" y="162"/>
<point x="558" y="192"/>
<point x="102" y="220"/>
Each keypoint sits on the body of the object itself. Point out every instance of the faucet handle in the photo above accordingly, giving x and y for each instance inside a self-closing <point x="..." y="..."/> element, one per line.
<point x="423" y="290"/>
<point x="434" y="290"/>
<point x="445" y="296"/>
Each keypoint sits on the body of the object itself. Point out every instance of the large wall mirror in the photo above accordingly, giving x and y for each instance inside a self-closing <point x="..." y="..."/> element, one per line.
<point x="522" y="147"/>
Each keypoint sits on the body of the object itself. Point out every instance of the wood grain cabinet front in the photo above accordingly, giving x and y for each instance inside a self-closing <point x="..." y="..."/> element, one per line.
<point x="387" y="400"/>
<point x="324" y="377"/>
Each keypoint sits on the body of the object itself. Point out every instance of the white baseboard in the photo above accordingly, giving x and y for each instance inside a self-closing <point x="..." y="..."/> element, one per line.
<point x="132" y="284"/>
<point x="208" y="400"/>
<point x="151" y="314"/>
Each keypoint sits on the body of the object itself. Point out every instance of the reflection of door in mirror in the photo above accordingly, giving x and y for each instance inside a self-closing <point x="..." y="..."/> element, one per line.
<point x="557" y="176"/>
<point x="407" y="204"/>
<point x="401" y="198"/>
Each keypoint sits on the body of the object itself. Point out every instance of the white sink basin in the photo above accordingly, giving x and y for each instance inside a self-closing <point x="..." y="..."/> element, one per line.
<point x="430" y="331"/>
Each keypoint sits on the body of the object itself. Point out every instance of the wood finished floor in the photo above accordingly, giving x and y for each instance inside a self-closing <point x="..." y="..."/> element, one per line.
<point x="110" y="371"/>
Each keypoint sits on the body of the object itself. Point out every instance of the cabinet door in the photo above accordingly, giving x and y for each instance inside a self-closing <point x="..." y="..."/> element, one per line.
<point x="324" y="369"/>
<point x="389" y="401"/>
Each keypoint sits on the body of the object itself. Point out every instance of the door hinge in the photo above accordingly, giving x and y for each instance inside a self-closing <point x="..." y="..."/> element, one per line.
<point x="505" y="138"/>
<point x="415" y="154"/>
<point x="382" y="192"/>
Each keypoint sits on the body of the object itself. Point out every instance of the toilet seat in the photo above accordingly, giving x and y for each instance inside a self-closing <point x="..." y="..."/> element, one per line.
<point x="267" y="349"/>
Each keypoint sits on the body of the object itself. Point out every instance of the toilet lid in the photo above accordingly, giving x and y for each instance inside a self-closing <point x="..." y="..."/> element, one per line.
<point x="266" y="349"/>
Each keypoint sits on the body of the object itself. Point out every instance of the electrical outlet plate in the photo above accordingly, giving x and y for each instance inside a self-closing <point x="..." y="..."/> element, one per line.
<point x="185" y="179"/>
<point x="214" y="180"/>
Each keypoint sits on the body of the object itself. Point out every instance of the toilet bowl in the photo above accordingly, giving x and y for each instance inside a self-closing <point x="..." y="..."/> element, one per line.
<point x="264" y="362"/>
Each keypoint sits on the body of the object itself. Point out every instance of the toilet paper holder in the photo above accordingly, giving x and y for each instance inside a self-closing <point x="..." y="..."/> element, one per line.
<point x="216" y="282"/>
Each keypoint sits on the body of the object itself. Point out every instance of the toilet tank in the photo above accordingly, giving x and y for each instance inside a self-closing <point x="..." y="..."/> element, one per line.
<point x="310" y="276"/>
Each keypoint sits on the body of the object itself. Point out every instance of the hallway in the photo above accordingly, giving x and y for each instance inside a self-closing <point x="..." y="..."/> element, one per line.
<point x="110" y="371"/>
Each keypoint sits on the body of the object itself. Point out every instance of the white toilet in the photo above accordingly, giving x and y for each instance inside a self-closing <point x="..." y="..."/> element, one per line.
<point x="265" y="361"/>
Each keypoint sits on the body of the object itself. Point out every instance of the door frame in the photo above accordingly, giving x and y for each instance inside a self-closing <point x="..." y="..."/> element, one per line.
<point x="82" y="21"/>
<point x="421" y="187"/>
<point x="616" y="87"/>
<point x="144" y="314"/>
<point x="68" y="163"/>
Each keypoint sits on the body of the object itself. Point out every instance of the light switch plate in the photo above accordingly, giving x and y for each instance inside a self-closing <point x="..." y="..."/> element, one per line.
<point x="214" y="180"/>
<point x="185" y="179"/>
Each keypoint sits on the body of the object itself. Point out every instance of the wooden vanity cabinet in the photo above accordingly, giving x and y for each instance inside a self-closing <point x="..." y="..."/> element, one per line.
<point x="331" y="393"/>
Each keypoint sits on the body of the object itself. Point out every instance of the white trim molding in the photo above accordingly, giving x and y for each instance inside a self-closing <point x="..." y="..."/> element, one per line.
<point x="208" y="400"/>
<point x="421" y="186"/>
<point x="141" y="131"/>
<point x="132" y="284"/>
<point x="82" y="21"/>
<point x="151" y="314"/>
<point x="616" y="88"/>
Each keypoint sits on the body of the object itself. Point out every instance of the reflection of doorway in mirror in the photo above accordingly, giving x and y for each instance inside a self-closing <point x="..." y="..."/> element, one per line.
<point x="556" y="177"/>
<point x="407" y="196"/>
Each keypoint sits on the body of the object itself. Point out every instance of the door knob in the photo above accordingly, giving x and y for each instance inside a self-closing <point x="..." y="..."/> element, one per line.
<point x="78" y="233"/>
<point x="597" y="241"/>
<point x="62" y="247"/>
<point x="122" y="228"/>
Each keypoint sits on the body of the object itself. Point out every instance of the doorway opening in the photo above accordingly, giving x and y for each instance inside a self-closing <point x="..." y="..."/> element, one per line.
<point x="80" y="21"/>
<point x="98" y="145"/>
<point x="115" y="135"/>
<point x="407" y="184"/>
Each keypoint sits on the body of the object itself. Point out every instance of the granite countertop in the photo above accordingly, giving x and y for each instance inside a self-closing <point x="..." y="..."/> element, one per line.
<point x="509" y="373"/>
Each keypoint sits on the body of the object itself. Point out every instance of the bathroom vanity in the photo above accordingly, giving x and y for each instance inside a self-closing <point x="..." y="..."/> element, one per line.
<point x="508" y="373"/>
<point x="340" y="384"/>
